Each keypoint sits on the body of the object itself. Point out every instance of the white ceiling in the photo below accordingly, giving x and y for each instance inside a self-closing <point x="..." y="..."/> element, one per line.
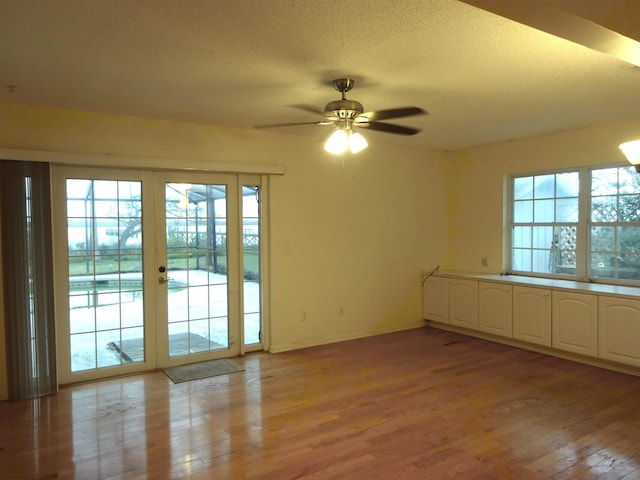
<point x="483" y="78"/>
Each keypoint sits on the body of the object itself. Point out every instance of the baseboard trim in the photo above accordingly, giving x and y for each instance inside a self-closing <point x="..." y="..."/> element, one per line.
<point x="314" y="342"/>
<point x="594" y="362"/>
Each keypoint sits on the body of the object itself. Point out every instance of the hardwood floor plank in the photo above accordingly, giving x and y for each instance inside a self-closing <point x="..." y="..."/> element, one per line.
<point x="418" y="404"/>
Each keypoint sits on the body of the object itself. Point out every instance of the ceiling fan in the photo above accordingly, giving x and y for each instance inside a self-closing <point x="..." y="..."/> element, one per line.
<point x="345" y="114"/>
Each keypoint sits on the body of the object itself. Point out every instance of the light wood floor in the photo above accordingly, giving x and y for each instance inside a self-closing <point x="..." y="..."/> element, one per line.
<point x="420" y="404"/>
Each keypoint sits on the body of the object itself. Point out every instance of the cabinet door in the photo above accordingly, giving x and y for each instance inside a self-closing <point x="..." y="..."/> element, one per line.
<point x="463" y="303"/>
<point x="435" y="299"/>
<point x="619" y="330"/>
<point x="532" y="315"/>
<point x="575" y="322"/>
<point x="495" y="309"/>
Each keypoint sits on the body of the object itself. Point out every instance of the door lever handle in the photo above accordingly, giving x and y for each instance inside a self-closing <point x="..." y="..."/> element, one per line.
<point x="164" y="279"/>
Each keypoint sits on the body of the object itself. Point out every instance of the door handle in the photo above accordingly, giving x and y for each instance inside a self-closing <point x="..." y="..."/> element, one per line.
<point x="164" y="279"/>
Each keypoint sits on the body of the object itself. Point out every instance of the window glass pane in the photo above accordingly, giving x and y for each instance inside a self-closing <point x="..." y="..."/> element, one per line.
<point x="564" y="237"/>
<point x="78" y="187"/>
<point x="601" y="266"/>
<point x="567" y="210"/>
<point x="629" y="208"/>
<point x="521" y="259"/>
<point x="81" y="265"/>
<point x="604" y="182"/>
<point x="523" y="188"/>
<point x="603" y="239"/>
<point x="542" y="237"/>
<point x="568" y="184"/>
<point x="83" y="350"/>
<point x="251" y="262"/>
<point x="104" y="189"/>
<point x="628" y="180"/>
<point x="563" y="260"/>
<point x="521" y="237"/>
<point x="629" y="239"/>
<point x="615" y="252"/>
<point x="129" y="208"/>
<point x="523" y="211"/>
<point x="130" y="233"/>
<point x="543" y="211"/>
<point x="628" y="266"/>
<point x="544" y="186"/>
<point x="76" y="208"/>
<point x="105" y="208"/>
<point x="604" y="209"/>
<point x="541" y="261"/>
<point x="129" y="190"/>
<point x="79" y="235"/>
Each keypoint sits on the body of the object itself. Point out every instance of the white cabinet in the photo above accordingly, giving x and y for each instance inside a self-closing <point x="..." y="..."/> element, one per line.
<point x="532" y="315"/>
<point x="463" y="303"/>
<point x="575" y="322"/>
<point x="495" y="308"/>
<point x="597" y="321"/>
<point x="435" y="299"/>
<point x="619" y="329"/>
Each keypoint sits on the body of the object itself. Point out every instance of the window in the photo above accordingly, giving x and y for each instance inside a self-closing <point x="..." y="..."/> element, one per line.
<point x="581" y="224"/>
<point x="615" y="224"/>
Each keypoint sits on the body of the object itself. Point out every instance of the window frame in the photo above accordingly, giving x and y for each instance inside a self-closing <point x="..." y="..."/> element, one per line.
<point x="583" y="227"/>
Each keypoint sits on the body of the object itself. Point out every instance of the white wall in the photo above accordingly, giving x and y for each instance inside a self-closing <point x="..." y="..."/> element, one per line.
<point x="354" y="236"/>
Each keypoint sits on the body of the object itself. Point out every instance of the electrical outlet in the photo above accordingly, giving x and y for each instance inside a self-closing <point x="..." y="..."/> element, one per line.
<point x="340" y="311"/>
<point x="485" y="261"/>
<point x="305" y="316"/>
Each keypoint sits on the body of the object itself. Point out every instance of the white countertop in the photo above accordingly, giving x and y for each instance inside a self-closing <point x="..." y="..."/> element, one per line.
<point x="587" y="287"/>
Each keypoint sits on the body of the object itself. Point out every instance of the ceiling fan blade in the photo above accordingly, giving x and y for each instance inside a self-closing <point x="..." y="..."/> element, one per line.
<point x="392" y="113"/>
<point x="388" y="128"/>
<point x="274" y="125"/>
<point x="308" y="108"/>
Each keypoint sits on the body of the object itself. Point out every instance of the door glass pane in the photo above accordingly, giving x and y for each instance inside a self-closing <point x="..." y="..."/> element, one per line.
<point x="251" y="260"/>
<point x="104" y="231"/>
<point x="197" y="287"/>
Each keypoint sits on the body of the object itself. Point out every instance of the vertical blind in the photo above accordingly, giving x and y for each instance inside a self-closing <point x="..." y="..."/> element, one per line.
<point x="28" y="278"/>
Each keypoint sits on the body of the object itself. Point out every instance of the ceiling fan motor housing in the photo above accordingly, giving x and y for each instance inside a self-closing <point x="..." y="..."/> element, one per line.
<point x="344" y="109"/>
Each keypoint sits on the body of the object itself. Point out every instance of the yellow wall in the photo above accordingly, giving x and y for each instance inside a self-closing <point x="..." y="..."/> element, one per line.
<point x="477" y="176"/>
<point x="354" y="236"/>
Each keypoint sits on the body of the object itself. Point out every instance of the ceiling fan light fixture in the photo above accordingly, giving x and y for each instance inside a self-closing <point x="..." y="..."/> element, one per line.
<point x="631" y="150"/>
<point x="343" y="139"/>
<point x="357" y="142"/>
<point x="337" y="143"/>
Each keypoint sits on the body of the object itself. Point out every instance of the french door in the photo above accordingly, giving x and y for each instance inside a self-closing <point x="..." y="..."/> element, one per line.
<point x="152" y="269"/>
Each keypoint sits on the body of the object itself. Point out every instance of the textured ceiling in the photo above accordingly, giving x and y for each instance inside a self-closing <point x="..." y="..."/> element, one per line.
<point x="482" y="76"/>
